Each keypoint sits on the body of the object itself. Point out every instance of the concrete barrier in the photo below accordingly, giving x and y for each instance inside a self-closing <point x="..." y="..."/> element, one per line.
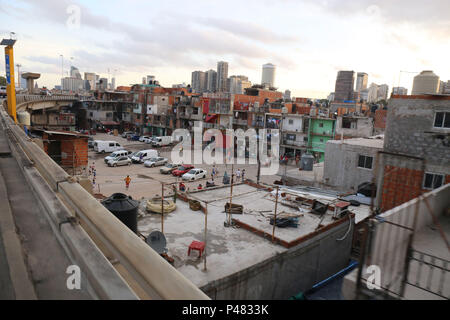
<point x="155" y="275"/>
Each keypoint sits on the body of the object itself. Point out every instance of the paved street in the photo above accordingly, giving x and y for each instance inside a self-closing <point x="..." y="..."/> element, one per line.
<point x="146" y="182"/>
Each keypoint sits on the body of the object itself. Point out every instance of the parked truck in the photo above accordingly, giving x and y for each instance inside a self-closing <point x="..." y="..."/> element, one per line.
<point x="162" y="141"/>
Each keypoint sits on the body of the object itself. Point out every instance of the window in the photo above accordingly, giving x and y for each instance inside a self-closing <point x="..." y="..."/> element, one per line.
<point x="442" y="120"/>
<point x="365" y="162"/>
<point x="348" y="123"/>
<point x="291" y="121"/>
<point x="305" y="139"/>
<point x="290" y="137"/>
<point x="432" y="180"/>
<point x="320" y="125"/>
<point x="111" y="144"/>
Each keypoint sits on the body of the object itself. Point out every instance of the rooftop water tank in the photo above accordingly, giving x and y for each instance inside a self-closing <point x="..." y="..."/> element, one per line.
<point x="307" y="162"/>
<point x="23" y="117"/>
<point x="124" y="208"/>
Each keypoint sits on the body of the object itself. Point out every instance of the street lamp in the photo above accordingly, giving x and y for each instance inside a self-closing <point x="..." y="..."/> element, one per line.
<point x="18" y="74"/>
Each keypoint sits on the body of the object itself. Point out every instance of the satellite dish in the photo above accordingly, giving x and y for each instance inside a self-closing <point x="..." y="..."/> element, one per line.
<point x="157" y="241"/>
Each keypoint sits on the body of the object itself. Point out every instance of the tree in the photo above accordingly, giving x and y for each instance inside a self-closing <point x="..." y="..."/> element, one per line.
<point x="2" y="81"/>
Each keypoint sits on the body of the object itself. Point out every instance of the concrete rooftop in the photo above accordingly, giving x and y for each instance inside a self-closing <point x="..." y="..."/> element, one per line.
<point x="230" y="250"/>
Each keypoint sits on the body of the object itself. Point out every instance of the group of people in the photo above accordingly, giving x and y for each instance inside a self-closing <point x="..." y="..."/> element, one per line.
<point x="93" y="173"/>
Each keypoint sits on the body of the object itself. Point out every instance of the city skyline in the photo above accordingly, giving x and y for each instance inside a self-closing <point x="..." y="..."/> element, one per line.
<point x="305" y="63"/>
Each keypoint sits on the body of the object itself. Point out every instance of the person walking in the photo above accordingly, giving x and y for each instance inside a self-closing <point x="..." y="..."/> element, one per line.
<point x="127" y="182"/>
<point x="238" y="175"/>
<point x="243" y="174"/>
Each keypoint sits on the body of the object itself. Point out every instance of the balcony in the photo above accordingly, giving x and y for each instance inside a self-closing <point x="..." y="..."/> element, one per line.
<point x="294" y="143"/>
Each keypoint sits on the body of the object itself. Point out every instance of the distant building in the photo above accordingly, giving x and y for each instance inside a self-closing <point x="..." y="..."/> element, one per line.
<point x="364" y="94"/>
<point x="287" y="95"/>
<point x="330" y="97"/>
<point x="344" y="86"/>
<point x="198" y="81"/>
<point x="237" y="84"/>
<point x="268" y="74"/>
<point x="222" y="76"/>
<point x="372" y="94"/>
<point x="425" y="82"/>
<point x="75" y="73"/>
<point x="90" y="78"/>
<point x="144" y="80"/>
<point x="102" y="84"/>
<point x="211" y="80"/>
<point x="113" y="83"/>
<point x="361" y="81"/>
<point x="72" y="84"/>
<point x="382" y="92"/>
<point x="444" y="87"/>
<point x="150" y="79"/>
<point x="399" y="91"/>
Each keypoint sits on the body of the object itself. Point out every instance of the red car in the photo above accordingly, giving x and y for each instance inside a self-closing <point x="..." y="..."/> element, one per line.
<point x="182" y="170"/>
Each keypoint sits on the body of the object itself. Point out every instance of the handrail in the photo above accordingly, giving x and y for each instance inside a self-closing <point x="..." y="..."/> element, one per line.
<point x="155" y="275"/>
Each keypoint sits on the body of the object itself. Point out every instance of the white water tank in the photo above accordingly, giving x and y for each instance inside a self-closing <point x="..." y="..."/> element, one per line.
<point x="23" y="117"/>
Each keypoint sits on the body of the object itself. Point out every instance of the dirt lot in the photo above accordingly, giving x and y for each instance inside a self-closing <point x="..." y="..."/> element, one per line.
<point x="146" y="182"/>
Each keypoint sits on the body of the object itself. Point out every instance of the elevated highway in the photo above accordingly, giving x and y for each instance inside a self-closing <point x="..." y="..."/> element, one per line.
<point x="49" y="222"/>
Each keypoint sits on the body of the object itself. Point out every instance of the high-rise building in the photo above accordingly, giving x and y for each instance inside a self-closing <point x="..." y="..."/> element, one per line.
<point x="425" y="82"/>
<point x="150" y="79"/>
<point x="372" y="95"/>
<point x="211" y="80"/>
<point x="268" y="74"/>
<point x="237" y="84"/>
<point x="90" y="78"/>
<point x="75" y="73"/>
<point x="382" y="92"/>
<point x="361" y="81"/>
<point x="198" y="81"/>
<point x="399" y="91"/>
<point x="364" y="94"/>
<point x="345" y="82"/>
<point x="222" y="76"/>
<point x="287" y="95"/>
<point x="113" y="83"/>
<point x="72" y="84"/>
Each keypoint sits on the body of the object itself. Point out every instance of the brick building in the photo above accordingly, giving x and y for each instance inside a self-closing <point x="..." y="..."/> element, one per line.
<point x="68" y="149"/>
<point x="416" y="154"/>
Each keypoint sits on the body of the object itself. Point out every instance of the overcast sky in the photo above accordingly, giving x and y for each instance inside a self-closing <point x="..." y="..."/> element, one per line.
<point x="308" y="40"/>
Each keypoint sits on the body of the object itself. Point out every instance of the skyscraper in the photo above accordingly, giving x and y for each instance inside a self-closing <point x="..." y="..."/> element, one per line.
<point x="198" y="81"/>
<point x="382" y="92"/>
<point x="268" y="74"/>
<point x="344" y="86"/>
<point x="399" y="91"/>
<point x="90" y="77"/>
<point x="75" y="73"/>
<point x="211" y="80"/>
<point x="222" y="76"/>
<point x="425" y="82"/>
<point x="361" y="81"/>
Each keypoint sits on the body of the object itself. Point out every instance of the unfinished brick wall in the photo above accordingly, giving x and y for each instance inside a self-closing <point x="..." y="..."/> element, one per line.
<point x="74" y="152"/>
<point x="380" y="119"/>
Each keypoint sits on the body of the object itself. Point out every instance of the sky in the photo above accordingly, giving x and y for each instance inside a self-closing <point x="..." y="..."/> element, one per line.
<point x="308" y="40"/>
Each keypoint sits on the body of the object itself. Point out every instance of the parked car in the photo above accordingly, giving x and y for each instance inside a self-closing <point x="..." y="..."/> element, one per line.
<point x="182" y="170"/>
<point x="168" y="168"/>
<point x="119" y="161"/>
<point x="135" y="137"/>
<point x="155" y="162"/>
<point x="149" y="140"/>
<point x="124" y="134"/>
<point x="142" y="138"/>
<point x="194" y="174"/>
<point x="90" y="142"/>
<point x="131" y="155"/>
<point x="146" y="154"/>
<point x="106" y="146"/>
<point x="115" y="154"/>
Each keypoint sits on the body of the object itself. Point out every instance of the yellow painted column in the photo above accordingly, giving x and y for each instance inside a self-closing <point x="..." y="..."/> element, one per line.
<point x="10" y="82"/>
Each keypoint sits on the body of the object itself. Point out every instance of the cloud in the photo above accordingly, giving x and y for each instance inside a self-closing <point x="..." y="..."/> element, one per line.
<point x="433" y="14"/>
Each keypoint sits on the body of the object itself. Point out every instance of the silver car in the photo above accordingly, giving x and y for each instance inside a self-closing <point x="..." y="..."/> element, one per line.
<point x="154" y="162"/>
<point x="119" y="161"/>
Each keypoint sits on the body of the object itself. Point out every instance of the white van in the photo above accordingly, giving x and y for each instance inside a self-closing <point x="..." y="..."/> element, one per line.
<point x="106" y="146"/>
<point x="146" y="154"/>
<point x="162" y="141"/>
<point x="115" y="154"/>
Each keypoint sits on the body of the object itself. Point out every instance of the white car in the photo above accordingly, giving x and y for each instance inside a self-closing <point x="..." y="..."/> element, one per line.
<point x="154" y="162"/>
<point x="142" y="138"/>
<point x="194" y="174"/>
<point x="148" y="140"/>
<point x="119" y="161"/>
<point x="116" y="154"/>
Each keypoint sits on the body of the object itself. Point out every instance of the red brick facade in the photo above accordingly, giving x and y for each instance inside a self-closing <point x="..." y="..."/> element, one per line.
<point x="380" y="119"/>
<point x="74" y="149"/>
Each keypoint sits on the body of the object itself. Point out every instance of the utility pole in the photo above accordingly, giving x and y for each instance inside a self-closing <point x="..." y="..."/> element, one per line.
<point x="231" y="194"/>
<point x="144" y="106"/>
<point x="258" y="159"/>
<point x="10" y="83"/>
<point x="275" y="215"/>
<point x="162" y="207"/>
<point x="18" y="74"/>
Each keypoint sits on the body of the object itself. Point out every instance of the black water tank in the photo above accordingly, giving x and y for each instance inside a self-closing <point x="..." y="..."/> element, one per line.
<point x="124" y="208"/>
